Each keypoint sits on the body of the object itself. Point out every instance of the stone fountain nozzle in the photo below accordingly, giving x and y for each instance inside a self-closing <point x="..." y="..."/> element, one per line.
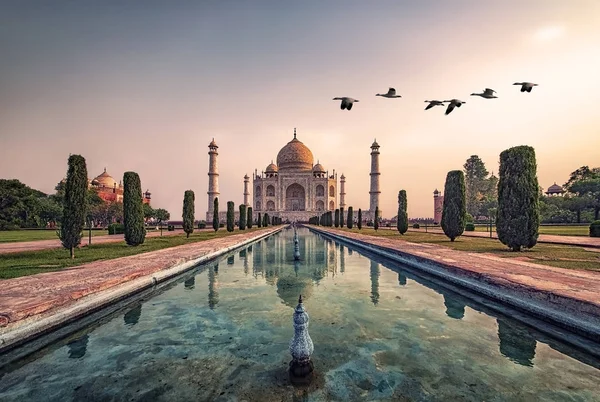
<point x="301" y="348"/>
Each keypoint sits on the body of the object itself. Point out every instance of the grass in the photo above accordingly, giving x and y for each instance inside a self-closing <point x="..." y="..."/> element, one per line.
<point x="15" y="265"/>
<point x="13" y="236"/>
<point x="571" y="257"/>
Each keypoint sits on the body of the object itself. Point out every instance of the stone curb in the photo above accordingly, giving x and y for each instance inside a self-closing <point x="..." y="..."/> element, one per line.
<point x="578" y="316"/>
<point x="17" y="335"/>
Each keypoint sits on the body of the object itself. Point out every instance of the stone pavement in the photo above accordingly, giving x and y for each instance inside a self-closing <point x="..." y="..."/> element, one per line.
<point x="17" y="247"/>
<point x="573" y="284"/>
<point x="582" y="241"/>
<point x="43" y="294"/>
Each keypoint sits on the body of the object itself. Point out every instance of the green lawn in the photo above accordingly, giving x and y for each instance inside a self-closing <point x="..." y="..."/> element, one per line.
<point x="13" y="236"/>
<point x="559" y="230"/>
<point x="572" y="257"/>
<point x="14" y="265"/>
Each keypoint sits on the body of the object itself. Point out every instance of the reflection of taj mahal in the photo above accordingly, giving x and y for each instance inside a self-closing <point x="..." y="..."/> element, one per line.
<point x="294" y="189"/>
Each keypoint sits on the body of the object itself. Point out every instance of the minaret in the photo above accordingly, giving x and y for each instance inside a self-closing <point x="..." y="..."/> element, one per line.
<point x="438" y="206"/>
<point x="342" y="191"/>
<point x="246" y="192"/>
<point x="374" y="192"/>
<point x="213" y="179"/>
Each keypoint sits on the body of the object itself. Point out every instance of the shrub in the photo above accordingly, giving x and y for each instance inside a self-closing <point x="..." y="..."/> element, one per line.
<point x="336" y="220"/>
<point x="221" y="225"/>
<point x="595" y="229"/>
<point x="416" y="226"/>
<point x="402" y="223"/>
<point x="469" y="218"/>
<point x="215" y="221"/>
<point x="249" y="218"/>
<point x="201" y="225"/>
<point x="171" y="228"/>
<point x="455" y="205"/>
<point x="342" y="218"/>
<point x="74" y="204"/>
<point x="470" y="227"/>
<point x="188" y="212"/>
<point x="359" y="220"/>
<point x="230" y="216"/>
<point x="266" y="220"/>
<point x="376" y="221"/>
<point x="350" y="218"/>
<point x="133" y="209"/>
<point x="259" y="220"/>
<point x="518" y="218"/>
<point x="243" y="217"/>
<point x="115" y="228"/>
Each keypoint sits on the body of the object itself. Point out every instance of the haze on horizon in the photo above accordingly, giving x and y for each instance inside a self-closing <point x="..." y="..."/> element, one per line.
<point x="146" y="86"/>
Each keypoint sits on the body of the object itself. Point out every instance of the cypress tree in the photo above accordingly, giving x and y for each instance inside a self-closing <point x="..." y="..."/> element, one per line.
<point x="337" y="218"/>
<point x="259" y="220"/>
<point x="454" y="213"/>
<point x="350" y="217"/>
<point x="133" y="209"/>
<point x="359" y="223"/>
<point x="230" y="216"/>
<point x="249" y="218"/>
<point x="518" y="218"/>
<point x="242" y="221"/>
<point x="402" y="223"/>
<point x="188" y="212"/>
<point x="330" y="218"/>
<point x="342" y="217"/>
<point x="266" y="220"/>
<point x="216" y="214"/>
<point x="376" y="221"/>
<point x="74" y="204"/>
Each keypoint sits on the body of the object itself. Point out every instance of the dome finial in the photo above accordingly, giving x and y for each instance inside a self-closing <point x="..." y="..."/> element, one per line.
<point x="104" y="170"/>
<point x="294" y="132"/>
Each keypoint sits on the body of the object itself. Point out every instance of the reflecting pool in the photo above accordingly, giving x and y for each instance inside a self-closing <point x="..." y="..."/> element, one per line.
<point x="380" y="332"/>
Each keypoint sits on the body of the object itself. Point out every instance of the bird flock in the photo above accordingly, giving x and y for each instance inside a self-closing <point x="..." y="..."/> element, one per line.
<point x="487" y="93"/>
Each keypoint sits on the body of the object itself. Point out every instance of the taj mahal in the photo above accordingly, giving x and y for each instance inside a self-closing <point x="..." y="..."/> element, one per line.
<point x="294" y="189"/>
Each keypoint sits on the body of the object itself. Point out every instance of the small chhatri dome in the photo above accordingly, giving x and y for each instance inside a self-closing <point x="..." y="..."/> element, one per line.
<point x="342" y="177"/>
<point x="318" y="168"/>
<point x="105" y="180"/>
<point x="295" y="156"/>
<point x="246" y="177"/>
<point x="272" y="168"/>
<point x="375" y="144"/>
<point x="436" y="192"/>
<point x="555" y="188"/>
<point x="213" y="144"/>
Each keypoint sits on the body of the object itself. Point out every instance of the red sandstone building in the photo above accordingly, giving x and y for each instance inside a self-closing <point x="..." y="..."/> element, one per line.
<point x="110" y="191"/>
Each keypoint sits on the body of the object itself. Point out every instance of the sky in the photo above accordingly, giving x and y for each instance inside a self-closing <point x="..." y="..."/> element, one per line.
<point x="145" y="86"/>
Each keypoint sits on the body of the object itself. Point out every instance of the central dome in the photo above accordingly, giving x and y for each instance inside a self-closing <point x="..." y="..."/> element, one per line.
<point x="295" y="156"/>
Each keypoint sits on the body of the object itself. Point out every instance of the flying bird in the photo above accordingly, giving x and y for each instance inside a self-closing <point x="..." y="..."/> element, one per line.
<point x="526" y="86"/>
<point x="346" y="102"/>
<point x="433" y="103"/>
<point x="391" y="93"/>
<point x="487" y="94"/>
<point x="453" y="103"/>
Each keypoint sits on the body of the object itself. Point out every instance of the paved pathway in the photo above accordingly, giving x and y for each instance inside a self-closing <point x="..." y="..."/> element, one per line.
<point x="575" y="284"/>
<point x="543" y="238"/>
<point x="29" y="296"/>
<point x="17" y="247"/>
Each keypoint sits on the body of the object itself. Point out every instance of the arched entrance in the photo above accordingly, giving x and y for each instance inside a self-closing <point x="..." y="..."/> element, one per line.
<point x="294" y="198"/>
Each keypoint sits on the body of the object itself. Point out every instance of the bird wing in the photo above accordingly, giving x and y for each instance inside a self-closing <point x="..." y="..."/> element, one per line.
<point x="349" y="106"/>
<point x="450" y="108"/>
<point x="391" y="91"/>
<point x="430" y="106"/>
<point x="489" y="91"/>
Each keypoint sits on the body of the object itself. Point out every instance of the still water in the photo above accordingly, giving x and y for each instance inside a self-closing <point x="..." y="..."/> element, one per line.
<point x="380" y="333"/>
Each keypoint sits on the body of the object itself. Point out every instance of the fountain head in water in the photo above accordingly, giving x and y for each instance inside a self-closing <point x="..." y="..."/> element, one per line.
<point x="301" y="347"/>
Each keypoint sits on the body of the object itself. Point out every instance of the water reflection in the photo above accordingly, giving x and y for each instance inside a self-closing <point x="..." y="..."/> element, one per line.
<point x="401" y="278"/>
<point x="342" y="260"/>
<point x="78" y="347"/>
<point x="230" y="259"/>
<point x="454" y="308"/>
<point x="132" y="317"/>
<point x="213" y="283"/>
<point x="190" y="283"/>
<point x="375" y="272"/>
<point x="516" y="342"/>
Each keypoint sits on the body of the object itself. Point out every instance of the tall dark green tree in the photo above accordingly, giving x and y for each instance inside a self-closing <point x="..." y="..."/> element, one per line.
<point x="337" y="218"/>
<point x="188" y="212"/>
<point x="342" y="217"/>
<point x="259" y="222"/>
<point x="454" y="213"/>
<point x="350" y="220"/>
<point x="215" y="214"/>
<point x="402" y="223"/>
<point x="230" y="215"/>
<point x="266" y="220"/>
<point x="376" y="220"/>
<point x="518" y="218"/>
<point x="249" y="218"/>
<point x="74" y="206"/>
<point x="475" y="183"/>
<point x="243" y="217"/>
<point x="359" y="222"/>
<point x="133" y="210"/>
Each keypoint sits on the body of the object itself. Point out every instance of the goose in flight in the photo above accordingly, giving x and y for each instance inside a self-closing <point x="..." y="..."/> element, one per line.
<point x="487" y="94"/>
<point x="391" y="93"/>
<point x="346" y="102"/>
<point x="453" y="103"/>
<point x="526" y="86"/>
<point x="433" y="103"/>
